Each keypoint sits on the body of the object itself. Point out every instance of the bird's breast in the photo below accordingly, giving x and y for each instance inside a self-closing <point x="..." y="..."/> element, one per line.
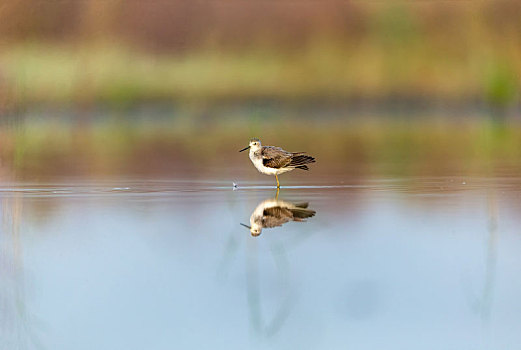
<point x="257" y="162"/>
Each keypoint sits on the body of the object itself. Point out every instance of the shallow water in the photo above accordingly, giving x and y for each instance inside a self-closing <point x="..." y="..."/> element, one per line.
<point x="396" y="263"/>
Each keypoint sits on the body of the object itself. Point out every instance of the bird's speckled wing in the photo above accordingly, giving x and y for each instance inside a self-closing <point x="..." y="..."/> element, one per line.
<point x="275" y="157"/>
<point x="275" y="216"/>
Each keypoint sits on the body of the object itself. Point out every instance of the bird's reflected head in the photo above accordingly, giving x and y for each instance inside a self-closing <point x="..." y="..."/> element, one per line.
<point x="256" y="225"/>
<point x="256" y="230"/>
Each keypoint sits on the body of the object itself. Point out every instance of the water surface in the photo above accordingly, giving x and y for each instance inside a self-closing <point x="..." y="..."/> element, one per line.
<point x="400" y="263"/>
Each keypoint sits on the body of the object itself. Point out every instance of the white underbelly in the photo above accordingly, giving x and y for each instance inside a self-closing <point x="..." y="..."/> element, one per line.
<point x="268" y="171"/>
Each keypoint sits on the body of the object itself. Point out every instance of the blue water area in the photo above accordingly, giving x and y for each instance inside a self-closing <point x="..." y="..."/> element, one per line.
<point x="417" y="263"/>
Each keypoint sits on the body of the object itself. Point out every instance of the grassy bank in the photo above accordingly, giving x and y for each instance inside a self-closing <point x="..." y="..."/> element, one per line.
<point x="37" y="73"/>
<point x="171" y="148"/>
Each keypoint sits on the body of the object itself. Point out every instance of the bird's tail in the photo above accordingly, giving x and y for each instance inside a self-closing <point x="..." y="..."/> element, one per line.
<point x="299" y="160"/>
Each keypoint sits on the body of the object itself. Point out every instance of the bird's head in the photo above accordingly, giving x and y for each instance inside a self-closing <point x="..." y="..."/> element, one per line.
<point x="254" y="144"/>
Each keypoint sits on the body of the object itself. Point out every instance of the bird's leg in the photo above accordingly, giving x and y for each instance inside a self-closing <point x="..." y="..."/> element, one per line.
<point x="278" y="184"/>
<point x="277" y="194"/>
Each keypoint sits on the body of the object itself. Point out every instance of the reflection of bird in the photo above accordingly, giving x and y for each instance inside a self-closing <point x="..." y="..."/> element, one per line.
<point x="271" y="160"/>
<point x="274" y="212"/>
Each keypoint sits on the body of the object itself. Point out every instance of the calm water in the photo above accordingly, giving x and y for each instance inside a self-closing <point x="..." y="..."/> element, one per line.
<point x="430" y="263"/>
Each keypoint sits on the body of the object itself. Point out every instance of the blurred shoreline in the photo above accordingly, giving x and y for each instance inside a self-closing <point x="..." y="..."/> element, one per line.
<point x="202" y="144"/>
<point x="429" y="54"/>
<point x="33" y="74"/>
<point x="378" y="87"/>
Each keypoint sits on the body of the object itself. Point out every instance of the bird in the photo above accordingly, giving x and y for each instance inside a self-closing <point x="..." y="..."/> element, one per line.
<point x="275" y="212"/>
<point x="272" y="160"/>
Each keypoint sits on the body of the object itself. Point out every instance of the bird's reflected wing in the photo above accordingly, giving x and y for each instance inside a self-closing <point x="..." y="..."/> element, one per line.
<point x="275" y="216"/>
<point x="275" y="157"/>
<point x="300" y="214"/>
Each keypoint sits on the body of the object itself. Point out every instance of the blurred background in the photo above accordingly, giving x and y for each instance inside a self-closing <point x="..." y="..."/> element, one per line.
<point x="95" y="87"/>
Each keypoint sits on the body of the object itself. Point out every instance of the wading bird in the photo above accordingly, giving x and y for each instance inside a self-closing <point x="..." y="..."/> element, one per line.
<point x="274" y="212"/>
<point x="272" y="160"/>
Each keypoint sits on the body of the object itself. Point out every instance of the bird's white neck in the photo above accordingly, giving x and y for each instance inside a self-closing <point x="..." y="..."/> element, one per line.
<point x="255" y="153"/>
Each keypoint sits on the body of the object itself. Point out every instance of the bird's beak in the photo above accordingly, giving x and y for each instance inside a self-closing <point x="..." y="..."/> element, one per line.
<point x="244" y="149"/>
<point x="248" y="227"/>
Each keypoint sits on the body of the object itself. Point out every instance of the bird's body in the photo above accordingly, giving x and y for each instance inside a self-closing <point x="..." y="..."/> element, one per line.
<point x="272" y="160"/>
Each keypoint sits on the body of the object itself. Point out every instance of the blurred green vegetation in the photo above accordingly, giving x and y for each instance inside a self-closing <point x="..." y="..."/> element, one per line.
<point x="87" y="52"/>
<point x="172" y="148"/>
<point x="502" y="85"/>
